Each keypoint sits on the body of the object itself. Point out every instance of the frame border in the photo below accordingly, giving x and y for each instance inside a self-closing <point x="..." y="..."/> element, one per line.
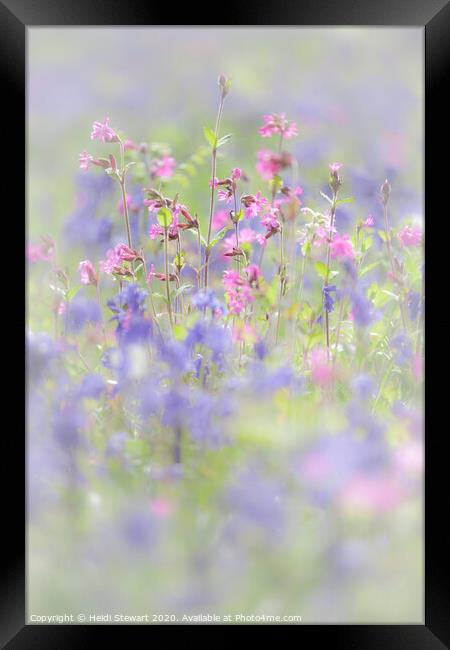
<point x="434" y="16"/>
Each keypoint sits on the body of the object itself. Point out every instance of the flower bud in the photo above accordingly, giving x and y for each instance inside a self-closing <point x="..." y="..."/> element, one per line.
<point x="224" y="85"/>
<point x="385" y="191"/>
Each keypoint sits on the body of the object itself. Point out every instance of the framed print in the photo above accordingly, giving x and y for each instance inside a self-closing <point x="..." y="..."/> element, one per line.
<point x="227" y="418"/>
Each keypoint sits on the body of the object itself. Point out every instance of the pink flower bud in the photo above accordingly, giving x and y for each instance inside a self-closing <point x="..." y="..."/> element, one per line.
<point x="87" y="273"/>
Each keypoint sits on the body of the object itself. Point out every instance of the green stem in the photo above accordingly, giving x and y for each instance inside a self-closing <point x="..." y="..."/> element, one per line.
<point x="166" y="264"/>
<point x="213" y="189"/>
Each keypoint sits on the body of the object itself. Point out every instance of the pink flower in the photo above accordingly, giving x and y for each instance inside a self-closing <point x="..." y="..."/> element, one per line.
<point x="87" y="273"/>
<point x="269" y="163"/>
<point x="161" y="508"/>
<point x="124" y="252"/>
<point x="115" y="257"/>
<point x="246" y="235"/>
<point x="103" y="132"/>
<point x="86" y="160"/>
<point x="277" y="124"/>
<point x="342" y="247"/>
<point x="410" y="236"/>
<point x="417" y="366"/>
<point x="334" y="167"/>
<point x="216" y="182"/>
<point x="321" y="371"/>
<point x="155" y="231"/>
<point x="410" y="457"/>
<point x="111" y="262"/>
<point x="262" y="241"/>
<point x="129" y="145"/>
<point x="151" y="274"/>
<point x="253" y="273"/>
<point x="220" y="219"/>
<point x="271" y="222"/>
<point x="236" y="174"/>
<point x="372" y="493"/>
<point x="253" y="204"/>
<point x="164" y="167"/>
<point x="243" y="332"/>
<point x="238" y="292"/>
<point x="225" y="195"/>
<point x="41" y="253"/>
<point x="369" y="222"/>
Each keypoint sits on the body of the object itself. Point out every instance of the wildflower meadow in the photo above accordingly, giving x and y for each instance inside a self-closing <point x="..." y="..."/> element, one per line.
<point x="225" y="377"/>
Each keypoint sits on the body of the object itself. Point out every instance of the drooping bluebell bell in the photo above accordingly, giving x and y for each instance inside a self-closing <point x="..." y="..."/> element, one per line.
<point x="81" y="311"/>
<point x="402" y="346"/>
<point x="362" y="307"/>
<point x="328" y="301"/>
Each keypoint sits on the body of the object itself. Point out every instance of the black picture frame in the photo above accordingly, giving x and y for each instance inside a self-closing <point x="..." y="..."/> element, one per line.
<point x="15" y="17"/>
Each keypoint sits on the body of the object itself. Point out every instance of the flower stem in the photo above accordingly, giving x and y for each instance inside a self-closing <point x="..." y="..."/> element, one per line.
<point x="213" y="189"/>
<point x="166" y="264"/>
<point x="327" y="275"/>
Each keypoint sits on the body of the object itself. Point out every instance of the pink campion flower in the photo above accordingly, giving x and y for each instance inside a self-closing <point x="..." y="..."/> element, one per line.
<point x="34" y="254"/>
<point x="220" y="219"/>
<point x="232" y="279"/>
<point x="334" y="167"/>
<point x="417" y="366"/>
<point x="115" y="257"/>
<point x="216" y="182"/>
<point x="409" y="457"/>
<point x="111" y="262"/>
<point x="236" y="174"/>
<point x="322" y="372"/>
<point x="125" y="253"/>
<point x="379" y="493"/>
<point x="369" y="222"/>
<point x="243" y="332"/>
<point x="161" y="508"/>
<point x="341" y="247"/>
<point x="151" y="274"/>
<point x="254" y="204"/>
<point x="86" y="160"/>
<point x="268" y="164"/>
<point x="155" y="231"/>
<point x="277" y="124"/>
<point x="44" y="252"/>
<point x="271" y="222"/>
<point x="129" y="145"/>
<point x="103" y="132"/>
<point x="261" y="239"/>
<point x="237" y="291"/>
<point x="225" y="195"/>
<point x="253" y="274"/>
<point x="164" y="167"/>
<point x="246" y="235"/>
<point x="410" y="236"/>
<point x="321" y="236"/>
<point x="87" y="273"/>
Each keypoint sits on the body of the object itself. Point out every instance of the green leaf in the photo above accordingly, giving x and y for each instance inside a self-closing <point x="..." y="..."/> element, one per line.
<point x="164" y="217"/>
<point x="224" y="139"/>
<point x="321" y="269"/>
<point x="72" y="293"/>
<point x="366" y="244"/>
<point x="182" y="289"/>
<point x="220" y="235"/>
<point x="369" y="267"/>
<point x="210" y="136"/>
<point x="326" y="197"/>
<point x="139" y="272"/>
<point x="349" y="199"/>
